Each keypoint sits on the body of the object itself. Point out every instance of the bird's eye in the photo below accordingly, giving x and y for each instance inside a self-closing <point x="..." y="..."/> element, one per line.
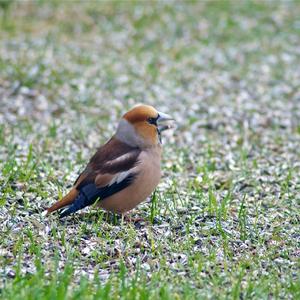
<point x="152" y="121"/>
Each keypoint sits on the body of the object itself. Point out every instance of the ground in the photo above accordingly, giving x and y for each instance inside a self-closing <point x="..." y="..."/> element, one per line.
<point x="224" y="221"/>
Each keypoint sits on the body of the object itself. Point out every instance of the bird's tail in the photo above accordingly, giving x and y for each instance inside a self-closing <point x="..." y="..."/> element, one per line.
<point x="87" y="196"/>
<point x="68" y="199"/>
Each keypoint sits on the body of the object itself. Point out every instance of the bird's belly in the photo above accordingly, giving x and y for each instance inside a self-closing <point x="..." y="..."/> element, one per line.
<point x="142" y="186"/>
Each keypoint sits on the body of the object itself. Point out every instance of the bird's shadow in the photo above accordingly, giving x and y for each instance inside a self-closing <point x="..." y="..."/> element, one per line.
<point x="93" y="217"/>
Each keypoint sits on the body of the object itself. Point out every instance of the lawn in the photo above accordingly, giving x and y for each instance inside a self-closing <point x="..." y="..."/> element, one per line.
<point x="224" y="222"/>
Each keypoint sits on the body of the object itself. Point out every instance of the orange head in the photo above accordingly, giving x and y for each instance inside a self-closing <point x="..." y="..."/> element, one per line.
<point x="141" y="126"/>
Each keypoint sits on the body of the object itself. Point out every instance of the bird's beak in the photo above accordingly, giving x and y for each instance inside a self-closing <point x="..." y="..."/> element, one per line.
<point x="162" y="117"/>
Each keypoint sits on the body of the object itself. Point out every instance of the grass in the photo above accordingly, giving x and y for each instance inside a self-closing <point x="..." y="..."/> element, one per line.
<point x="224" y="221"/>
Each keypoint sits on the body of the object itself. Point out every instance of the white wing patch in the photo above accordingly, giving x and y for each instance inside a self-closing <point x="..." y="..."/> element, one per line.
<point x="119" y="159"/>
<point x="120" y="177"/>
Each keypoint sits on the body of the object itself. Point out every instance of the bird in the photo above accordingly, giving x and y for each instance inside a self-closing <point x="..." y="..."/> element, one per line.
<point x="125" y="170"/>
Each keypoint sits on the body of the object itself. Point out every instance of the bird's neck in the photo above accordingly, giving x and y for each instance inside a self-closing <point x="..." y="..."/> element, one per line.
<point x="127" y="134"/>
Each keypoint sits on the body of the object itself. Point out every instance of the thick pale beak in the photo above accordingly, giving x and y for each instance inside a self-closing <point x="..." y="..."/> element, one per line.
<point x="162" y="117"/>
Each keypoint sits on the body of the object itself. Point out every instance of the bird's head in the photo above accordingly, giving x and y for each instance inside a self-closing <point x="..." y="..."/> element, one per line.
<point x="142" y="126"/>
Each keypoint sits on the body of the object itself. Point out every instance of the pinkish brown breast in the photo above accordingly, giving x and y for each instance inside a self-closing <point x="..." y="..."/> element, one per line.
<point x="149" y="174"/>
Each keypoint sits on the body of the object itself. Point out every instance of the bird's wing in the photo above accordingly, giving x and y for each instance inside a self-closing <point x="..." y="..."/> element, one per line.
<point x="109" y="171"/>
<point x="112" y="158"/>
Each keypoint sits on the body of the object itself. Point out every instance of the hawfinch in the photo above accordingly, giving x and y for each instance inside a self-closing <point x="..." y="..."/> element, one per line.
<point x="124" y="171"/>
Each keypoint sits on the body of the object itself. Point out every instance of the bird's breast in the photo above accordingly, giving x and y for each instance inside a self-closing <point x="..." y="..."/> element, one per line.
<point x="148" y="174"/>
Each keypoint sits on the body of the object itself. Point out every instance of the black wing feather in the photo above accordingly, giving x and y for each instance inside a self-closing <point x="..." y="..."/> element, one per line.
<point x="89" y="193"/>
